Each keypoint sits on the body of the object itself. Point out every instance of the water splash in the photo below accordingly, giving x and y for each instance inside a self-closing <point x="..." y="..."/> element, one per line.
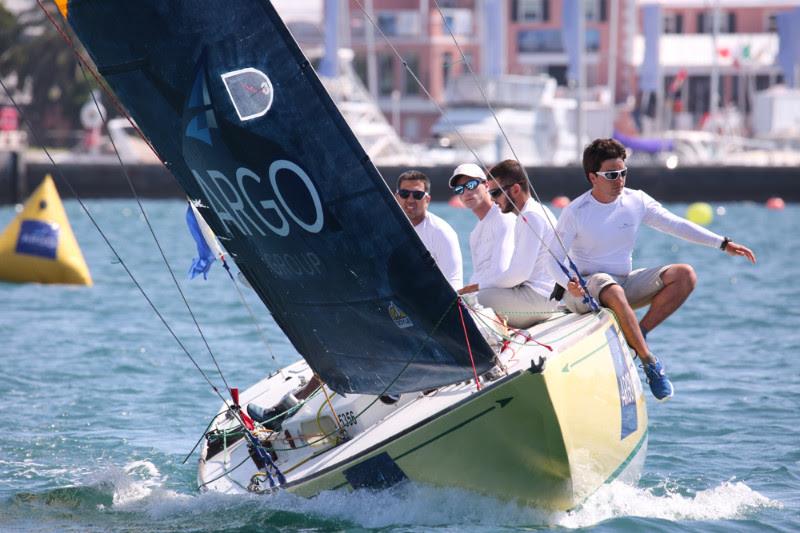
<point x="727" y="501"/>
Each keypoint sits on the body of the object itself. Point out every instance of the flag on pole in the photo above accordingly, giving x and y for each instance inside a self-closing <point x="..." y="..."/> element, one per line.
<point x="205" y="255"/>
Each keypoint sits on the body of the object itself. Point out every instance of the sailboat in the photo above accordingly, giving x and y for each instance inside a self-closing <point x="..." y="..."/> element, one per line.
<point x="400" y="378"/>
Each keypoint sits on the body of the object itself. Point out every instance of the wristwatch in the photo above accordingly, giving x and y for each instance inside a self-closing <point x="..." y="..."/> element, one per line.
<point x="724" y="245"/>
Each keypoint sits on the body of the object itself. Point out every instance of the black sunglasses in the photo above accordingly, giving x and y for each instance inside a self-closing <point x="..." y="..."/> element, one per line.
<point x="405" y="193"/>
<point x="470" y="185"/>
<point x="494" y="193"/>
<point x="611" y="175"/>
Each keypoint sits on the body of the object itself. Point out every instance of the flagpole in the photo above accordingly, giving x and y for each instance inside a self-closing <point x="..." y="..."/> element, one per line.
<point x="613" y="49"/>
<point x="579" y="96"/>
<point x="714" y="96"/>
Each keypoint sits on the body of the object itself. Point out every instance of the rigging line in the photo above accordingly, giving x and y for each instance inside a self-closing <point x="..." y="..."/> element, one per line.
<point x="494" y="116"/>
<point x="153" y="234"/>
<point x="420" y="84"/>
<point x="258" y="327"/>
<point x="489" y="106"/>
<point x="100" y="82"/>
<point x="469" y="348"/>
<point x="469" y="147"/>
<point x="386" y="389"/>
<point x="105" y="238"/>
<point x="104" y="117"/>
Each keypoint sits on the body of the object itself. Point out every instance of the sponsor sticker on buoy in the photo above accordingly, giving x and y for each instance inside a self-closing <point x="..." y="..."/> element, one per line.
<point x="38" y="238"/>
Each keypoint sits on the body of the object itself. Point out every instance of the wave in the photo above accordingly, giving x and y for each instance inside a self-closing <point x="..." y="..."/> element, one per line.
<point x="139" y="492"/>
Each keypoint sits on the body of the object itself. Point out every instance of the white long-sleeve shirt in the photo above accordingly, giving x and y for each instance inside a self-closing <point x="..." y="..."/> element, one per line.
<point x="491" y="245"/>
<point x="441" y="241"/>
<point x="528" y="265"/>
<point x="600" y="237"/>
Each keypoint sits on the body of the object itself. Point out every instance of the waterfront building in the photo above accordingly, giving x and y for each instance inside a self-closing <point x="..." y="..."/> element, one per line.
<point x="738" y="60"/>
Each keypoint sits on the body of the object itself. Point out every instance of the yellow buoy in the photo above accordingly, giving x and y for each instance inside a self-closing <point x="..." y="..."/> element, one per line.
<point x="39" y="246"/>
<point x="700" y="213"/>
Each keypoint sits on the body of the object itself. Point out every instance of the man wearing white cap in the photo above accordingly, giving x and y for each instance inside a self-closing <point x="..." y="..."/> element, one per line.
<point x="491" y="242"/>
<point x="413" y="195"/>
<point x="521" y="292"/>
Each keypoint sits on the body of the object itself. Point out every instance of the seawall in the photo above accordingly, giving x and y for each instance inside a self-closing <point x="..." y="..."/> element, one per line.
<point x="684" y="184"/>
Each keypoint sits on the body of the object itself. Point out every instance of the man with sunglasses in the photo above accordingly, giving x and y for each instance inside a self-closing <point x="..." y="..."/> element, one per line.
<point x="413" y="195"/>
<point x="491" y="242"/>
<point x="521" y="291"/>
<point x="599" y="228"/>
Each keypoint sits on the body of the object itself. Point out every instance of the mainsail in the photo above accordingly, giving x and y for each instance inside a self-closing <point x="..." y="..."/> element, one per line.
<point x="241" y="120"/>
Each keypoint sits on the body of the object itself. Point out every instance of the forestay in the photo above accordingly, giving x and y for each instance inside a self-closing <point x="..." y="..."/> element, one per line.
<point x="239" y="117"/>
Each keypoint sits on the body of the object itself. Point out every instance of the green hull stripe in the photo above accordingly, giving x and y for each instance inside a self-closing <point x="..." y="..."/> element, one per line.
<point x="621" y="468"/>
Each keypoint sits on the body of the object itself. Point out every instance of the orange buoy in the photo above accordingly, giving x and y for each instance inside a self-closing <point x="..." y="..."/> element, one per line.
<point x="776" y="203"/>
<point x="560" y="202"/>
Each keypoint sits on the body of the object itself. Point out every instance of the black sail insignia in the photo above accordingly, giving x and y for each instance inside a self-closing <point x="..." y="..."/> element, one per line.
<point x="241" y="120"/>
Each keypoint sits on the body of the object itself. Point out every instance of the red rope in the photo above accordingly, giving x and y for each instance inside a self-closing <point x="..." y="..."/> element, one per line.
<point x="469" y="348"/>
<point x="525" y="334"/>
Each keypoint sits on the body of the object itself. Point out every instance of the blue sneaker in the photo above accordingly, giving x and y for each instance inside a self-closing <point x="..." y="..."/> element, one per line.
<point x="660" y="385"/>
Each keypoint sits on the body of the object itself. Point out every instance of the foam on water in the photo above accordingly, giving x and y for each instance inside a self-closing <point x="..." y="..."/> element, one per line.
<point x="139" y="488"/>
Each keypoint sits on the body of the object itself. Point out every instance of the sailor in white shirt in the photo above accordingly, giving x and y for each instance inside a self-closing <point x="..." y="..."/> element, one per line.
<point x="413" y="195"/>
<point x="599" y="228"/>
<point x="520" y="292"/>
<point x="491" y="242"/>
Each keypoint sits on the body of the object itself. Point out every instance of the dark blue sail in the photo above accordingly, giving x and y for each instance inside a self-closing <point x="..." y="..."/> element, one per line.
<point x="239" y="117"/>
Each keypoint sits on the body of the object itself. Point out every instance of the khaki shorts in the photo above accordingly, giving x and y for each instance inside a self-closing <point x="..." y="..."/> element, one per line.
<point x="640" y="286"/>
<point x="521" y="306"/>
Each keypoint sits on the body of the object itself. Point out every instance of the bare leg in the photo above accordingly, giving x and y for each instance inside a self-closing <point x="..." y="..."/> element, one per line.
<point x="679" y="282"/>
<point x="613" y="297"/>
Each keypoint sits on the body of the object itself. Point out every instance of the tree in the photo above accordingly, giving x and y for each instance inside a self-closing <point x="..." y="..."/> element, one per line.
<point x="35" y="51"/>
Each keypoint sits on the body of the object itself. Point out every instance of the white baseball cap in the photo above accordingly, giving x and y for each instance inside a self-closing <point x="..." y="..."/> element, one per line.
<point x="467" y="169"/>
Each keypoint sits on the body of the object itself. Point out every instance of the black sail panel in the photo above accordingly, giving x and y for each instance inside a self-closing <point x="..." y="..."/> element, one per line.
<point x="239" y="117"/>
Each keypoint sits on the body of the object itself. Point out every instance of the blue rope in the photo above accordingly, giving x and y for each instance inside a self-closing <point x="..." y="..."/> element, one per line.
<point x="587" y="298"/>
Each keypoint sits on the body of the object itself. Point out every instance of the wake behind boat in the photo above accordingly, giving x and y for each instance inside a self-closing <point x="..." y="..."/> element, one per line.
<point x="400" y="379"/>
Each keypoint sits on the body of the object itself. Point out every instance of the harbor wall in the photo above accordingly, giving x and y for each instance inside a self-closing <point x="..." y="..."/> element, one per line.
<point x="684" y="184"/>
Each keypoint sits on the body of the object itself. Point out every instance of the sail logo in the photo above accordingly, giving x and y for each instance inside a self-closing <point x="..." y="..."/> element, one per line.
<point x="399" y="317"/>
<point x="236" y="209"/>
<point x="250" y="92"/>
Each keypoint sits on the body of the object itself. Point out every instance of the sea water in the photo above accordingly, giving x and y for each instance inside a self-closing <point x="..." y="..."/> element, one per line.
<point x="99" y="405"/>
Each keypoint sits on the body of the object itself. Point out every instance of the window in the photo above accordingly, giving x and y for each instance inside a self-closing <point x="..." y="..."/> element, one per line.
<point x="447" y="62"/>
<point x="385" y="74"/>
<point x="550" y="42"/>
<point x="673" y="23"/>
<point x="387" y="22"/>
<point x="771" y="24"/>
<point x="401" y="23"/>
<point x="705" y="22"/>
<point x="539" y="41"/>
<point x="595" y="10"/>
<point x="410" y="85"/>
<point x="532" y="11"/>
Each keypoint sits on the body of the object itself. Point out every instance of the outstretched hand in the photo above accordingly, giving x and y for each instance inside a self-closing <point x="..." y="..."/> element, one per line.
<point x="738" y="249"/>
